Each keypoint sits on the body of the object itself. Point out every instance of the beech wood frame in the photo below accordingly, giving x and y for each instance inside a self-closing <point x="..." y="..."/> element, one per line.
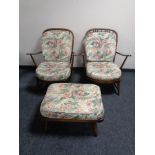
<point x="116" y="82"/>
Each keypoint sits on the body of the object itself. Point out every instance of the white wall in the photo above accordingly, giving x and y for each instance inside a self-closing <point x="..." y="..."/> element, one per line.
<point x="79" y="16"/>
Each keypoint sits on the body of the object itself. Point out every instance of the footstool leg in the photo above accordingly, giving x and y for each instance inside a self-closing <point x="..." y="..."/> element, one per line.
<point x="94" y="128"/>
<point x="117" y="87"/>
<point x="46" y="125"/>
<point x="37" y="82"/>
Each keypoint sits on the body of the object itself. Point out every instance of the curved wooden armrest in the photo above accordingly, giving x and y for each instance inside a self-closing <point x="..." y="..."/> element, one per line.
<point x="31" y="55"/>
<point x="34" y="53"/>
<point x="125" y="55"/>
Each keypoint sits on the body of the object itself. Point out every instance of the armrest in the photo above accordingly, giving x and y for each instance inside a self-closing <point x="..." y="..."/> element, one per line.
<point x="124" y="55"/>
<point x="31" y="55"/>
<point x="34" y="53"/>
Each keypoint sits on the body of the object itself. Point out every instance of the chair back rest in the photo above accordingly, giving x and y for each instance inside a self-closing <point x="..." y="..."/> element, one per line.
<point x="57" y="44"/>
<point x="100" y="44"/>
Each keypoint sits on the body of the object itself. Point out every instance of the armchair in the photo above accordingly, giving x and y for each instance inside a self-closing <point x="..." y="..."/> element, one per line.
<point x="99" y="57"/>
<point x="57" y="49"/>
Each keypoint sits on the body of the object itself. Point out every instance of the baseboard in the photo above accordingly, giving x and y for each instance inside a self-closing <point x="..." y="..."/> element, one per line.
<point x="33" y="67"/>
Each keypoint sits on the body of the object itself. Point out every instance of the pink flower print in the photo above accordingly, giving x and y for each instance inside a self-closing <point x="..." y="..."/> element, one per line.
<point x="109" y="52"/>
<point x="80" y="93"/>
<point x="105" y="41"/>
<point x="61" y="85"/>
<point x="59" y="42"/>
<point x="88" y="103"/>
<point x="96" y="44"/>
<point x="65" y="53"/>
<point x="55" y="54"/>
<point x="66" y="95"/>
<point x="98" y="56"/>
<point x="97" y="66"/>
<point x="79" y="110"/>
<point x="51" y="43"/>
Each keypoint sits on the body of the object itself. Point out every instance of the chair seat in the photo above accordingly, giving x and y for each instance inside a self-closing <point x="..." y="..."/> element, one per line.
<point x="103" y="71"/>
<point x="72" y="101"/>
<point x="53" y="71"/>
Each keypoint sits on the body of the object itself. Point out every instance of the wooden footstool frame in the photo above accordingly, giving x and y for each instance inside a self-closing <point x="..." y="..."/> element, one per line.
<point x="92" y="122"/>
<point x="92" y="115"/>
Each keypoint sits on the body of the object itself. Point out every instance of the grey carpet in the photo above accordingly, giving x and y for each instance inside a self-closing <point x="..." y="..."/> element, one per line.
<point x="115" y="134"/>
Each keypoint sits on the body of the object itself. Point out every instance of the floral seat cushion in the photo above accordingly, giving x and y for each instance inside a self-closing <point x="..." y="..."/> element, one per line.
<point x="103" y="70"/>
<point x="53" y="71"/>
<point x="72" y="101"/>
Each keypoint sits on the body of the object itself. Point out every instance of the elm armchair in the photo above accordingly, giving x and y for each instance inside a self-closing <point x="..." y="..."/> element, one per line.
<point x="100" y="47"/>
<point x="57" y="49"/>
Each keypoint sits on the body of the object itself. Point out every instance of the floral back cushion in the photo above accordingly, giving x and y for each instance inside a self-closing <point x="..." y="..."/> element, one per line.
<point x="57" y="45"/>
<point x="100" y="46"/>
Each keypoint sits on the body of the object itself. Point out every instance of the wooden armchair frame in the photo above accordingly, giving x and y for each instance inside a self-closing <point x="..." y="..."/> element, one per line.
<point x="116" y="82"/>
<point x="40" y="52"/>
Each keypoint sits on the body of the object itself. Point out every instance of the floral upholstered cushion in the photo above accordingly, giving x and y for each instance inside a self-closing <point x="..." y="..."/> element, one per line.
<point x="72" y="101"/>
<point x="103" y="70"/>
<point x="53" y="71"/>
<point x="57" y="45"/>
<point x="100" y="46"/>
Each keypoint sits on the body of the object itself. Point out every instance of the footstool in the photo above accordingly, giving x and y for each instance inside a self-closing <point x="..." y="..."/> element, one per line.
<point x="68" y="102"/>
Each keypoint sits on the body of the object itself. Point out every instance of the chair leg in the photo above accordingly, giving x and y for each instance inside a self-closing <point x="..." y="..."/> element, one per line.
<point x="37" y="82"/>
<point x="94" y="128"/>
<point x="46" y="125"/>
<point x="117" y="87"/>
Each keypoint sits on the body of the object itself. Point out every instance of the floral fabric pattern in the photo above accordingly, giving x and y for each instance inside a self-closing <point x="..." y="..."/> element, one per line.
<point x="53" y="71"/>
<point x="103" y="70"/>
<point x="100" y="46"/>
<point x="57" y="45"/>
<point x="72" y="101"/>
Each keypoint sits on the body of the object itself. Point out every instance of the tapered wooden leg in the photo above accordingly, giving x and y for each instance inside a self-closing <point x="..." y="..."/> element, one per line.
<point x="94" y="128"/>
<point x="37" y="82"/>
<point x="117" y="87"/>
<point x="46" y="125"/>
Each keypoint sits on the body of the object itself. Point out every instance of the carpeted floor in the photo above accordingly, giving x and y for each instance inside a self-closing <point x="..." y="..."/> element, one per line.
<point x="115" y="134"/>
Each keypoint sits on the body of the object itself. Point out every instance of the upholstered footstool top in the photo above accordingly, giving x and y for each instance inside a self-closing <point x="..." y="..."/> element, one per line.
<point x="72" y="101"/>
